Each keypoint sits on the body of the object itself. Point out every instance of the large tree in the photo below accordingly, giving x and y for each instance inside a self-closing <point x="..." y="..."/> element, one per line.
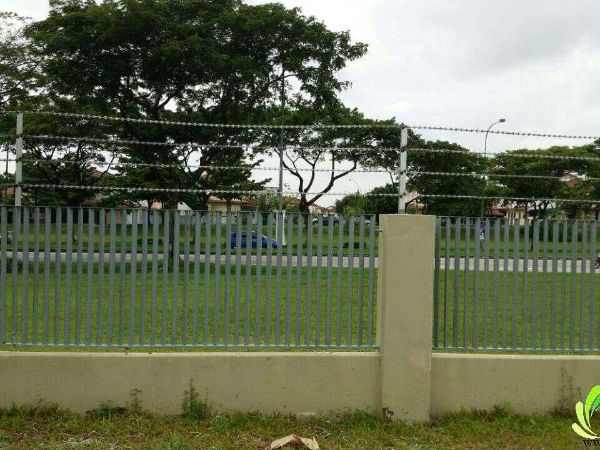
<point x="218" y="61"/>
<point x="528" y="174"/>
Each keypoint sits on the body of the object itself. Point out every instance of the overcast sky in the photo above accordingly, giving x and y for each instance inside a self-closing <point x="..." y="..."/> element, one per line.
<point x="464" y="63"/>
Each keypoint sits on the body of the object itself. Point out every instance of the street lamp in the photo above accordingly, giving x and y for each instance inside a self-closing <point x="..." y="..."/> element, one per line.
<point x="485" y="154"/>
<point x="356" y="184"/>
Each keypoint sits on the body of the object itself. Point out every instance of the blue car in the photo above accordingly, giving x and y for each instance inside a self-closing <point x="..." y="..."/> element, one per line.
<point x="255" y="240"/>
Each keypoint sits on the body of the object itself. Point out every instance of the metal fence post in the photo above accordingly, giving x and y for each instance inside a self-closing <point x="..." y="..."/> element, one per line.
<point x="402" y="172"/>
<point x="19" y="160"/>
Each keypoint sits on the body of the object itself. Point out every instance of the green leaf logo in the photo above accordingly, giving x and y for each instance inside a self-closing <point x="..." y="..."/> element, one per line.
<point x="585" y="413"/>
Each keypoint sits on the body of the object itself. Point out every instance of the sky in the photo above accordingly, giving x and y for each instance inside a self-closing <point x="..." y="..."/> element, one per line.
<point x="463" y="63"/>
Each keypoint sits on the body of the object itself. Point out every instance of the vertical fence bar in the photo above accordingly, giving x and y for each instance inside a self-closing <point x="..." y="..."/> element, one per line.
<point x="525" y="284"/>
<point x="448" y="225"/>
<point x="457" y="239"/>
<point x="36" y="274"/>
<point x="555" y="235"/>
<point x="57" y="274"/>
<point x="122" y="275"/>
<point x="68" y="272"/>
<point x="25" y="281"/>
<point x="268" y="279"/>
<point x="90" y="278"/>
<point x="299" y="255"/>
<point x="544" y="288"/>
<point x="100" y="306"/>
<point x="350" y="287"/>
<point x="278" y="282"/>
<point x="329" y="286"/>
<point x="466" y="282"/>
<point x="46" y="293"/>
<point x="3" y="272"/>
<point x="308" y="302"/>
<point x="361" y="267"/>
<point x="436" y="287"/>
<point x="534" y="283"/>
<point x="197" y="238"/>
<point x="258" y="296"/>
<point x="574" y="236"/>
<point x="288" y="284"/>
<point x="486" y="283"/>
<point x="227" y="278"/>
<point x="112" y="249"/>
<point x="371" y="288"/>
<point x="584" y="233"/>
<point x="496" y="282"/>
<point x="592" y="279"/>
<point x="175" y="293"/>
<point x="278" y="274"/>
<point x="318" y="280"/>
<point x="143" y="291"/>
<point x="338" y="334"/>
<point x="248" y="304"/>
<point x="238" y="278"/>
<point x="515" y="298"/>
<point x="165" y="272"/>
<point x="217" y="289"/>
<point x="186" y="276"/>
<point x="79" y="276"/>
<point x="564" y="299"/>
<point x="154" y="294"/>
<point x="207" y="267"/>
<point x="505" y="277"/>
<point x="478" y="238"/>
<point x="17" y="211"/>
<point x="133" y="276"/>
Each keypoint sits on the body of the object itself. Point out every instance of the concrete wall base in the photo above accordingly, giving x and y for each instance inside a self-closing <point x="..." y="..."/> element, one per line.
<point x="265" y="382"/>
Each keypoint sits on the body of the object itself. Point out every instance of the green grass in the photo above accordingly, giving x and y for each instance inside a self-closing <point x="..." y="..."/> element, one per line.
<point x="566" y="245"/>
<point x="257" y="306"/>
<point x="55" y="234"/>
<point x="109" y="428"/>
<point x="574" y="309"/>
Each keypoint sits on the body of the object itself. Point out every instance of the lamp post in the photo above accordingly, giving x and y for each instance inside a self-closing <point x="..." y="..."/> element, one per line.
<point x="487" y="133"/>
<point x="356" y="184"/>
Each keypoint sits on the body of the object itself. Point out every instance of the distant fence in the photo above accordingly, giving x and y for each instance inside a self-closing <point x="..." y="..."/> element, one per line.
<point x="72" y="277"/>
<point x="528" y="286"/>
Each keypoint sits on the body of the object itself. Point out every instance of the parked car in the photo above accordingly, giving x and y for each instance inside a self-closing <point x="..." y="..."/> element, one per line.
<point x="8" y="237"/>
<point x="327" y="220"/>
<point x="255" y="240"/>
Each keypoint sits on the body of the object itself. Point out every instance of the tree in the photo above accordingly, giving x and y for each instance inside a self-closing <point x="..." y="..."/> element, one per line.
<point x="18" y="65"/>
<point x="444" y="158"/>
<point x="218" y="61"/>
<point x="524" y="164"/>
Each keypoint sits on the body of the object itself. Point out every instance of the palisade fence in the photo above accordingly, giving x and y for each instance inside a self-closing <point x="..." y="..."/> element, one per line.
<point x="529" y="285"/>
<point x="74" y="277"/>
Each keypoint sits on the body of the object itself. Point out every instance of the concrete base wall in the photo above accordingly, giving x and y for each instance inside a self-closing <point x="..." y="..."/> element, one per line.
<point x="527" y="383"/>
<point x="266" y="382"/>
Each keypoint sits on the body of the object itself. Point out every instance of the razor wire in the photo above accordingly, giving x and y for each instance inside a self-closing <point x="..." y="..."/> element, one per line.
<point x="305" y="127"/>
<point x="253" y="193"/>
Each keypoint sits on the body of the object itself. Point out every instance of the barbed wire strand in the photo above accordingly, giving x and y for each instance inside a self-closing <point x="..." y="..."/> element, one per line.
<point x="312" y="126"/>
<point x="192" y="166"/>
<point x="216" y="146"/>
<point x="295" y="193"/>
<point x="303" y="148"/>
<point x="497" y="175"/>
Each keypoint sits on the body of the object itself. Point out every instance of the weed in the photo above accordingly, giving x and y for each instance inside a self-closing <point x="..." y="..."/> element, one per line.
<point x="192" y="407"/>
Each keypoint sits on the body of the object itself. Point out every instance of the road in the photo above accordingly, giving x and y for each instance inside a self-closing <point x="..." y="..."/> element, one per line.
<point x="335" y="261"/>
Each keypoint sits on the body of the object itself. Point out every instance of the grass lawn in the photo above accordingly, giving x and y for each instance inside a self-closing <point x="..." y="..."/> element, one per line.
<point x="522" y="310"/>
<point x="85" y="309"/>
<point x="47" y="427"/>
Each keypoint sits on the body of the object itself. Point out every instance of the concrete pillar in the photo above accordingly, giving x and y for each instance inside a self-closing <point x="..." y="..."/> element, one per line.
<point x="405" y="316"/>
